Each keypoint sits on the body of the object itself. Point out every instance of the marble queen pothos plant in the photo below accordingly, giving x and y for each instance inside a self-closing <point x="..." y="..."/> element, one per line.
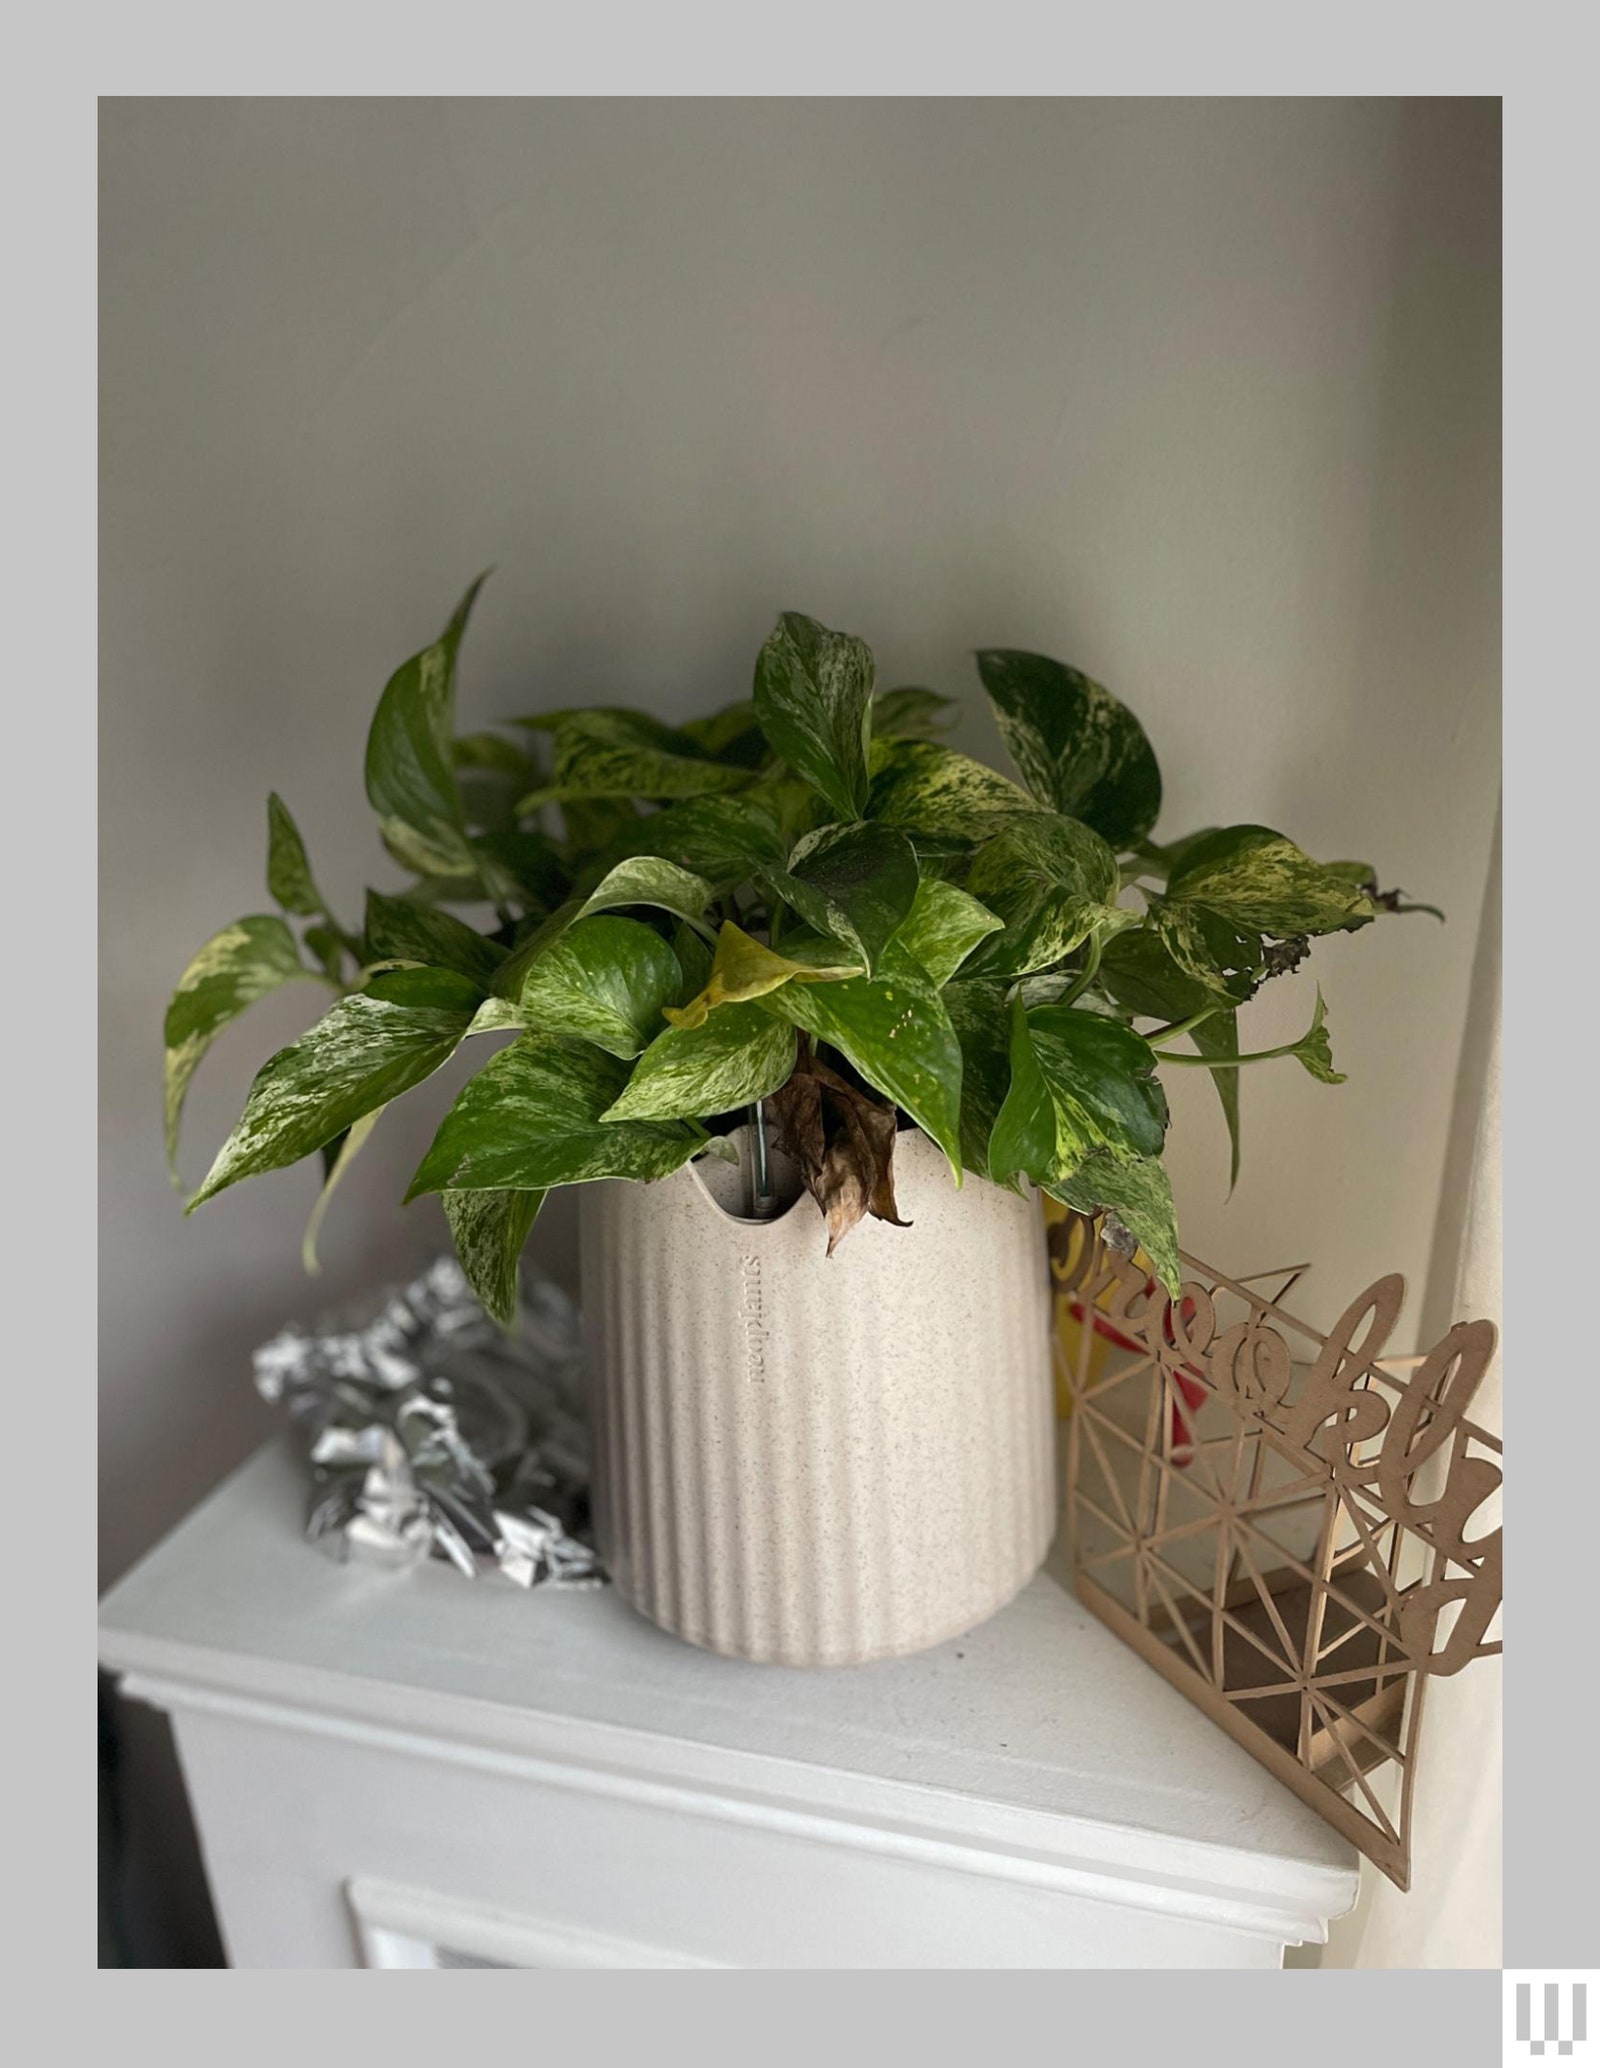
<point x="803" y="907"/>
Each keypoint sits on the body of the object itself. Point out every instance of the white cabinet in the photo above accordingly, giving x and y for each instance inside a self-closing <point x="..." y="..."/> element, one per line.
<point x="415" y="1770"/>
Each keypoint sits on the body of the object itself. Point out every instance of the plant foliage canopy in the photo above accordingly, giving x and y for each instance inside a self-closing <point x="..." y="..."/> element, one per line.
<point x="805" y="898"/>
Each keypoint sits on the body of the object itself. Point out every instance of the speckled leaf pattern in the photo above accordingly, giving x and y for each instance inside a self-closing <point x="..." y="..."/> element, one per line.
<point x="1079" y="1082"/>
<point x="496" y="1016"/>
<point x="738" y="1055"/>
<point x="1054" y="883"/>
<point x="610" y="753"/>
<point x="234" y="968"/>
<point x="289" y="879"/>
<point x="1139" y="1193"/>
<point x="604" y="980"/>
<point x="1076" y="747"/>
<point x="813" y="695"/>
<point x="411" y="782"/>
<point x="853" y="883"/>
<point x="894" y="1029"/>
<point x="401" y="930"/>
<point x="943" y="927"/>
<point x="489" y="1230"/>
<point x="362" y="1053"/>
<point x="448" y="870"/>
<point x="743" y="968"/>
<point x="722" y="839"/>
<point x="1226" y="960"/>
<point x="1257" y="880"/>
<point x="649" y="880"/>
<point x="930" y="789"/>
<point x="530" y="1119"/>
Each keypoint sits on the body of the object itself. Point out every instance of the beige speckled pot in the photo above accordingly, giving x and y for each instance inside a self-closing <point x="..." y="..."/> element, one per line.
<point x="811" y="1459"/>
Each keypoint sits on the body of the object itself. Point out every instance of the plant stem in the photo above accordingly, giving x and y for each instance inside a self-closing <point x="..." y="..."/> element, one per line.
<point x="1261" y="1055"/>
<point x="762" y="1201"/>
<point x="1177" y="1027"/>
<point x="1086" y="975"/>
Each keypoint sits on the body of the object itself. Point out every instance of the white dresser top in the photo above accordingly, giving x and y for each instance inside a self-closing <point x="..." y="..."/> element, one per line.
<point x="1038" y="1736"/>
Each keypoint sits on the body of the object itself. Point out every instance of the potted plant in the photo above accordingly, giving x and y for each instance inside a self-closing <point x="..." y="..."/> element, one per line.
<point x="797" y="947"/>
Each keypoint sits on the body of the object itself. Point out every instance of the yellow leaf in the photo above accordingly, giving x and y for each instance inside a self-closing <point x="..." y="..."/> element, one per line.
<point x="743" y="969"/>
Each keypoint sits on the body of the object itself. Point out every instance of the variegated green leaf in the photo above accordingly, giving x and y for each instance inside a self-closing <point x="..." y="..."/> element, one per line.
<point x="400" y="930"/>
<point x="813" y="695"/>
<point x="604" y="980"/>
<point x="413" y="984"/>
<point x="510" y="977"/>
<point x="853" y="883"/>
<point x="649" y="880"/>
<point x="234" y="968"/>
<point x="911" y="714"/>
<point x="1079" y="1082"/>
<point x="1161" y="861"/>
<point x="490" y="1230"/>
<point x="742" y="969"/>
<point x="1226" y="960"/>
<point x="943" y="927"/>
<point x="289" y="879"/>
<point x="724" y="840"/>
<point x="1139" y="1194"/>
<point x="1078" y="749"/>
<point x="927" y="789"/>
<point x="448" y="874"/>
<point x="1258" y="881"/>
<point x="611" y="753"/>
<point x="893" y="1028"/>
<point x="1054" y="883"/>
<point x="361" y="1054"/>
<point x="410" y="780"/>
<point x="496" y="1016"/>
<point x="735" y="1057"/>
<point x="350" y="1148"/>
<point x="530" y="1119"/>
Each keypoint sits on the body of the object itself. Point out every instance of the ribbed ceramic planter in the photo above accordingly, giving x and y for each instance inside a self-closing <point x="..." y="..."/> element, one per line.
<point x="811" y="1459"/>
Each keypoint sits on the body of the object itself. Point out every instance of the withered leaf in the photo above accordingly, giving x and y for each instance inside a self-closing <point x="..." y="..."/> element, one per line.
<point x="843" y="1142"/>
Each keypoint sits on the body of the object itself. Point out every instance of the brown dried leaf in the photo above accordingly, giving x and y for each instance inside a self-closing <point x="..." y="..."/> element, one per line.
<point x="843" y="1142"/>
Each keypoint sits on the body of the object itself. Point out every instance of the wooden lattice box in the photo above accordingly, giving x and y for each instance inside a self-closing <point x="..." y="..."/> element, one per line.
<point x="1277" y="1519"/>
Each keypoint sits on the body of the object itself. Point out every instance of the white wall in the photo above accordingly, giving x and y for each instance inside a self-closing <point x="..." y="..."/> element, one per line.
<point x="1201" y="396"/>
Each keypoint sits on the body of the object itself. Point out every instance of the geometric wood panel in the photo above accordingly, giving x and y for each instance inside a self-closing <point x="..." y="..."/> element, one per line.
<point x="1276" y="1519"/>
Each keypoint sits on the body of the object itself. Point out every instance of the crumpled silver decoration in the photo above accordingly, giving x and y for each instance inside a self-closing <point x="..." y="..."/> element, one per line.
<point x="431" y="1430"/>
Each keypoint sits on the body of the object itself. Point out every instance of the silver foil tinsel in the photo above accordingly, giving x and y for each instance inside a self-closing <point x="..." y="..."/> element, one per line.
<point x="431" y="1430"/>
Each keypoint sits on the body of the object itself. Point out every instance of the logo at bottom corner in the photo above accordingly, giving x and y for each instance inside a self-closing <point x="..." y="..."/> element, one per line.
<point x="1547" y="2014"/>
